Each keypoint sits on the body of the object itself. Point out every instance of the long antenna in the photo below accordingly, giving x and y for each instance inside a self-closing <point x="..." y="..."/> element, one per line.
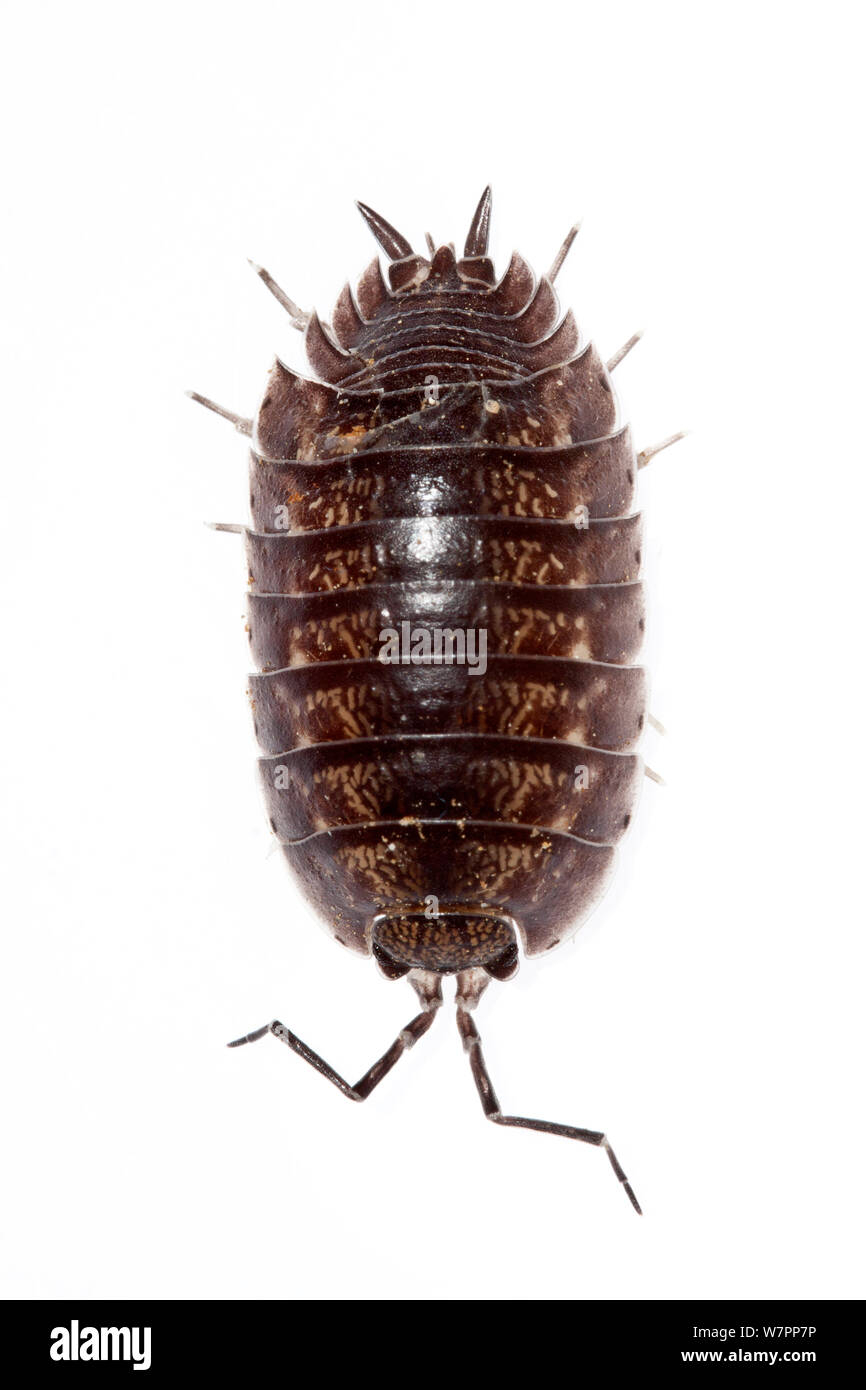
<point x="479" y="231"/>
<point x="392" y="242"/>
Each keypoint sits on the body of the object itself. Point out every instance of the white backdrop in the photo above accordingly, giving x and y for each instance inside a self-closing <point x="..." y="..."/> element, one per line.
<point x="709" y="1016"/>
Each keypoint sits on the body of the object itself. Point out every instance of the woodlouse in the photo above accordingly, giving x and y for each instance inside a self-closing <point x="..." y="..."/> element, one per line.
<point x="457" y="471"/>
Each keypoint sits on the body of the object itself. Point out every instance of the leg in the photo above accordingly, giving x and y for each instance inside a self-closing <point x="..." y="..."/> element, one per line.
<point x="472" y="1044"/>
<point x="624" y="350"/>
<point x="242" y="425"/>
<point x="645" y="455"/>
<point x="299" y="318"/>
<point x="429" y="990"/>
<point x="561" y="254"/>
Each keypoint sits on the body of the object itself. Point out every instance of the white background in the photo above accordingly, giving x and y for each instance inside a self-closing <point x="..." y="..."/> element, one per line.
<point x="709" y="1016"/>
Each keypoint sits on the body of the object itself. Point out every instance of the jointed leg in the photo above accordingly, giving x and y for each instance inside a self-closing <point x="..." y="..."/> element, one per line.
<point x="241" y="424"/>
<point x="472" y="1044"/>
<point x="430" y="992"/>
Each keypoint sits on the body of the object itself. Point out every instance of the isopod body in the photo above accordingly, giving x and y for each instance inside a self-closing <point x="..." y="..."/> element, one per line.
<point x="445" y="614"/>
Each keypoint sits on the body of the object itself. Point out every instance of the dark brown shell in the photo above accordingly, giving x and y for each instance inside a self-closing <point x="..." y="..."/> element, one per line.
<point x="499" y="502"/>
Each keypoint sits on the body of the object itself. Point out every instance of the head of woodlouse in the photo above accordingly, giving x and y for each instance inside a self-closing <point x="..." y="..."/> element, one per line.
<point x="444" y="267"/>
<point x="408" y="270"/>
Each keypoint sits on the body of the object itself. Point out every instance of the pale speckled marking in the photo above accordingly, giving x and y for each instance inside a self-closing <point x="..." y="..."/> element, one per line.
<point x="520" y="493"/>
<point x="493" y="868"/>
<point x="519" y="780"/>
<point x="390" y="881"/>
<point x="503" y="861"/>
<point x="358" y="784"/>
<point x="341" y="700"/>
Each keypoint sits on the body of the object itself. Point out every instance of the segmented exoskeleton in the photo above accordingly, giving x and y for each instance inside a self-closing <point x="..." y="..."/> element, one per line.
<point x="457" y="474"/>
